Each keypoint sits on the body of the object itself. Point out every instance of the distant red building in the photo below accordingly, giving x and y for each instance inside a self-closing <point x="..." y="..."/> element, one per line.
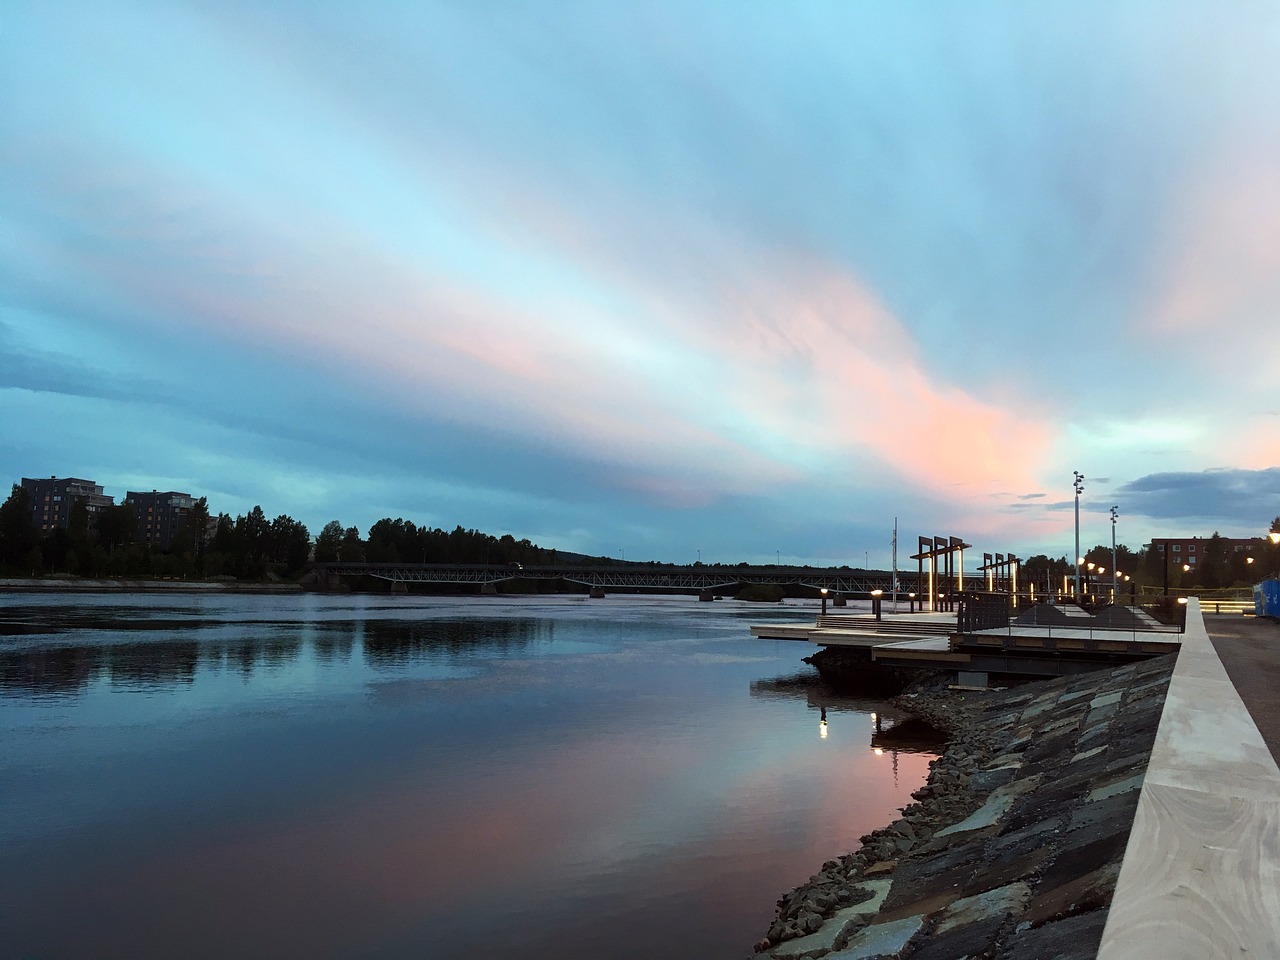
<point x="1189" y="550"/>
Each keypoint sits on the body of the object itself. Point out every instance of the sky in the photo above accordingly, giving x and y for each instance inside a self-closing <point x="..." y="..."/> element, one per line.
<point x="737" y="281"/>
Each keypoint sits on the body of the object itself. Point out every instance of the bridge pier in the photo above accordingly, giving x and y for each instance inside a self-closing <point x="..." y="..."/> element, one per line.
<point x="840" y="601"/>
<point x="706" y="595"/>
<point x="489" y="589"/>
<point x="597" y="593"/>
<point x="399" y="586"/>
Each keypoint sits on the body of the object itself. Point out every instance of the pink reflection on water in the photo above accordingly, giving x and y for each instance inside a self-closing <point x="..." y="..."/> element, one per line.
<point x="603" y="817"/>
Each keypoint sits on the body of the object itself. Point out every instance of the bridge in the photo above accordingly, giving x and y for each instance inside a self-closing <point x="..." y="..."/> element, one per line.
<point x="699" y="577"/>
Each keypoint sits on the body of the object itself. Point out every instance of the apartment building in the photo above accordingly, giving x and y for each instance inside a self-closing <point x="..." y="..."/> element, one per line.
<point x="52" y="499"/>
<point x="1189" y="550"/>
<point x="160" y="515"/>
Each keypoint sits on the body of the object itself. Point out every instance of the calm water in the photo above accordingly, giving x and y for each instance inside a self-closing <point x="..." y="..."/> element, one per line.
<point x="243" y="776"/>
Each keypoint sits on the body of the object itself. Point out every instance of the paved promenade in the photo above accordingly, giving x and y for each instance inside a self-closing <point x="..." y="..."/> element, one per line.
<point x="1201" y="873"/>
<point x="1250" y="651"/>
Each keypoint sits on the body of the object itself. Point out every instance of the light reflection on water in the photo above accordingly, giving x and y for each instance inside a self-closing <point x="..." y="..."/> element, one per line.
<point x="396" y="777"/>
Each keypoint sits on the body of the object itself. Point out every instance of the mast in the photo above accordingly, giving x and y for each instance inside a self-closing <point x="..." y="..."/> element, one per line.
<point x="895" y="564"/>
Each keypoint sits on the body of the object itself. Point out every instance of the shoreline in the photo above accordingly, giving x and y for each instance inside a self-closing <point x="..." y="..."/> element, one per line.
<point x="121" y="585"/>
<point x="1012" y="848"/>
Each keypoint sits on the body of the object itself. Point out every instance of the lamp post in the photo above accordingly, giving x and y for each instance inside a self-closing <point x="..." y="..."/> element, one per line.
<point x="1079" y="487"/>
<point x="824" y="601"/>
<point x="1274" y="537"/>
<point x="1115" y="582"/>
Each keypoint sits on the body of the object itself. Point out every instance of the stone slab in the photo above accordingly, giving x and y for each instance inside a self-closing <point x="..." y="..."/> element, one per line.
<point x="881" y="941"/>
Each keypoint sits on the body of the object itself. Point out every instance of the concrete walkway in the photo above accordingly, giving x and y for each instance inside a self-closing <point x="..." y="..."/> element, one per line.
<point x="1201" y="873"/>
<point x="1249" y="649"/>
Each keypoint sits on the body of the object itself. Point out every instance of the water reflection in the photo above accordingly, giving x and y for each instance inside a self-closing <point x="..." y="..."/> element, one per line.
<point x="611" y="789"/>
<point x="397" y="641"/>
<point x="67" y="668"/>
<point x="893" y="730"/>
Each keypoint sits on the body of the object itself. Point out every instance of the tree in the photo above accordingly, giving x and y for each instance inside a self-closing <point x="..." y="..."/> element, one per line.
<point x="224" y="534"/>
<point x="196" y="527"/>
<point x="352" y="549"/>
<point x="290" y="543"/>
<point x="385" y="538"/>
<point x="117" y="526"/>
<point x="18" y="533"/>
<point x="328" y="542"/>
<point x="254" y="532"/>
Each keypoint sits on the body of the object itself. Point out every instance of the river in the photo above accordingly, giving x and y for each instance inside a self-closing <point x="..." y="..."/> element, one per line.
<point x="385" y="777"/>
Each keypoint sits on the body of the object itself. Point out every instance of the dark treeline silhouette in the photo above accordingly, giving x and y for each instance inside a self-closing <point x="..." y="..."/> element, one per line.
<point x="245" y="547"/>
<point x="402" y="541"/>
<point x="108" y="545"/>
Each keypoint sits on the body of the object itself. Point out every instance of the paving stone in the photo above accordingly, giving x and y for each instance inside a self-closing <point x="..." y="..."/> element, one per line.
<point x="974" y="940"/>
<point x="939" y="842"/>
<point x="999" y="902"/>
<point x="1120" y="807"/>
<point x="1117" y="788"/>
<point x="881" y="941"/>
<point x="919" y="880"/>
<point x="1088" y="753"/>
<point x="1017" y="842"/>
<point x="1099" y="714"/>
<point x="1084" y="859"/>
<point x="995" y="807"/>
<point x="1105" y="699"/>
<point x="1074" y="695"/>
<point x="1075" y="938"/>
<point x="988" y="780"/>
<point x="1006" y="870"/>
<point x="1089" y="892"/>
<point x="931" y="903"/>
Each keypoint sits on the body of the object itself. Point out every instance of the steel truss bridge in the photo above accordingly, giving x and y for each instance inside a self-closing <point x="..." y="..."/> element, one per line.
<point x="699" y="577"/>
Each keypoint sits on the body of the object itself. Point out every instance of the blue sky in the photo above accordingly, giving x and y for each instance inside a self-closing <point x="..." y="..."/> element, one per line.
<point x="749" y="279"/>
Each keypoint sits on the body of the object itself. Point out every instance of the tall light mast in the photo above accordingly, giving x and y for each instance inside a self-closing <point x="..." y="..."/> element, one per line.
<point x="1079" y="487"/>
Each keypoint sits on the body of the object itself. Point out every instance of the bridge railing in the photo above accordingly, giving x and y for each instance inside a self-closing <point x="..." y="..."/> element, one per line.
<point x="668" y="577"/>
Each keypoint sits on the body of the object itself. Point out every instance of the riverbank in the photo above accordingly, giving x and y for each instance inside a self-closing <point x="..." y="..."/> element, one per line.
<point x="1014" y="845"/>
<point x="78" y="585"/>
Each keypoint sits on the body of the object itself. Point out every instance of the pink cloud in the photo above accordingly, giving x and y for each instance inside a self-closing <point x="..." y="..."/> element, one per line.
<point x="1222" y="262"/>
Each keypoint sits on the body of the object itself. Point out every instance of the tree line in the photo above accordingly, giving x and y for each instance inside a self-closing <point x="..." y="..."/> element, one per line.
<point x="402" y="541"/>
<point x="246" y="547"/>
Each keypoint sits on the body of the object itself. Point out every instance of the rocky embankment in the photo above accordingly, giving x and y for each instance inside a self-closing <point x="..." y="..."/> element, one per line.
<point x="1012" y="849"/>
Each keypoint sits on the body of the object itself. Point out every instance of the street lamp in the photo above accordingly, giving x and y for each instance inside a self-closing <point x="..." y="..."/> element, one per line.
<point x="1079" y="487"/>
<point x="1115" y="512"/>
<point x="824" y="601"/>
